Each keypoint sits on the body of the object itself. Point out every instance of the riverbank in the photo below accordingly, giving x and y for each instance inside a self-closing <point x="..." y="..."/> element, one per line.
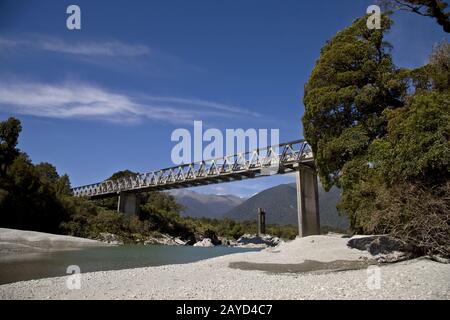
<point x="245" y="241"/>
<point x="18" y="242"/>
<point x="310" y="272"/>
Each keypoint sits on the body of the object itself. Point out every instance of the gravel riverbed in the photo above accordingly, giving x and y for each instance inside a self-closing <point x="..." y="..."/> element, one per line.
<point x="214" y="279"/>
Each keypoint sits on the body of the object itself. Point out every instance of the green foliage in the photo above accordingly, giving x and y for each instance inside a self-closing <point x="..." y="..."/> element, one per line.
<point x="231" y="229"/>
<point x="160" y="202"/>
<point x="351" y="85"/>
<point x="436" y="74"/>
<point x="29" y="194"/>
<point x="106" y="221"/>
<point x="111" y="203"/>
<point x="81" y="211"/>
<point x="437" y="9"/>
<point x="377" y="130"/>
<point x="417" y="146"/>
<point x="9" y="136"/>
<point x="163" y="215"/>
<point x="121" y="174"/>
<point x="439" y="66"/>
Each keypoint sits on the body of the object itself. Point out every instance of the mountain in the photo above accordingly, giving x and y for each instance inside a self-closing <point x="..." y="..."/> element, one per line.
<point x="205" y="205"/>
<point x="280" y="204"/>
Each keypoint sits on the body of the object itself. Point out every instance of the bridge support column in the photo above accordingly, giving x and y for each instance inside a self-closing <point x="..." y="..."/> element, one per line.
<point x="261" y="222"/>
<point x="128" y="203"/>
<point x="307" y="201"/>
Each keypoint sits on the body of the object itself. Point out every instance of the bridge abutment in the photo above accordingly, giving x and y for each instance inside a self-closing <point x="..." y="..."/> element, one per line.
<point x="128" y="203"/>
<point x="307" y="201"/>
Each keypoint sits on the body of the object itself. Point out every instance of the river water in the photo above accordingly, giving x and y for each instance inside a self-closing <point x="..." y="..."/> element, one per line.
<point x="54" y="264"/>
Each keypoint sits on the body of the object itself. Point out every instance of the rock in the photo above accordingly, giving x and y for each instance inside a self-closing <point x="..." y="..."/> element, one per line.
<point x="165" y="239"/>
<point x="206" y="242"/>
<point x="179" y="241"/>
<point x="395" y="256"/>
<point x="383" y="248"/>
<point x="109" y="238"/>
<point x="378" y="244"/>
<point x="228" y="242"/>
<point x="253" y="240"/>
<point x="208" y="234"/>
<point x="150" y="241"/>
<point x="439" y="258"/>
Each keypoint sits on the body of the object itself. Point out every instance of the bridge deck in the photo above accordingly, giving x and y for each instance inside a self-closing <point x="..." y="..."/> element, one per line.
<point x="271" y="160"/>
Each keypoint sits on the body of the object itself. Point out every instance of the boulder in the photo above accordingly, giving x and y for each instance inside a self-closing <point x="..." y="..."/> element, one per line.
<point x="206" y="242"/>
<point x="165" y="239"/>
<point x="228" y="242"/>
<point x="383" y="248"/>
<point x="109" y="238"/>
<point x="208" y="234"/>
<point x="253" y="240"/>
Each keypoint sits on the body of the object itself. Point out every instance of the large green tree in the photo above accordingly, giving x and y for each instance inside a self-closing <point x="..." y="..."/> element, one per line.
<point x="383" y="135"/>
<point x="351" y="85"/>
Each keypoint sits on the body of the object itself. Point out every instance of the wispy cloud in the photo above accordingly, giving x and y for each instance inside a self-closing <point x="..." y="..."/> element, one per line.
<point x="112" y="54"/>
<point x="204" y="104"/>
<point x="112" y="48"/>
<point x="83" y="101"/>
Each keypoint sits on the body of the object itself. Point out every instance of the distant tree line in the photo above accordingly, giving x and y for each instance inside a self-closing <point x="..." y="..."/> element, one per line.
<point x="31" y="196"/>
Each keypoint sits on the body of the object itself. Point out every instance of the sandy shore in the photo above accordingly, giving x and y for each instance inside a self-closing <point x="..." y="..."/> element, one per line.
<point x="215" y="279"/>
<point x="15" y="242"/>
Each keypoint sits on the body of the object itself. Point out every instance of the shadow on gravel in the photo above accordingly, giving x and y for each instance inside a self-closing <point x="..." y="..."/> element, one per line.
<point x="308" y="266"/>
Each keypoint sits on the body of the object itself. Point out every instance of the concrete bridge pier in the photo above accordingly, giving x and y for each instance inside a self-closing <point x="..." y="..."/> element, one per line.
<point x="128" y="203"/>
<point x="261" y="222"/>
<point x="307" y="201"/>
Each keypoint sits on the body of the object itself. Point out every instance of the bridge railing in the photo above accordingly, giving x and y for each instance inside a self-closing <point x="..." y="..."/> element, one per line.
<point x="274" y="158"/>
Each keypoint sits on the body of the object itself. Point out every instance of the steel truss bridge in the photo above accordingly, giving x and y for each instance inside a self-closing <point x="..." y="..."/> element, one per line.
<point x="295" y="156"/>
<point x="277" y="159"/>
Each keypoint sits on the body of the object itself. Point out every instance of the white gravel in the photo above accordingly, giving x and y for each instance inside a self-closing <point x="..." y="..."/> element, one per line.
<point x="213" y="279"/>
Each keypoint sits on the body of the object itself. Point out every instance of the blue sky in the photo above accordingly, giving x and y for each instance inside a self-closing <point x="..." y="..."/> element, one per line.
<point x="107" y="97"/>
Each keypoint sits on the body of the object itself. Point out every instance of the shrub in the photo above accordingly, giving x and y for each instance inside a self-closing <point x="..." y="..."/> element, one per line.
<point x="415" y="214"/>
